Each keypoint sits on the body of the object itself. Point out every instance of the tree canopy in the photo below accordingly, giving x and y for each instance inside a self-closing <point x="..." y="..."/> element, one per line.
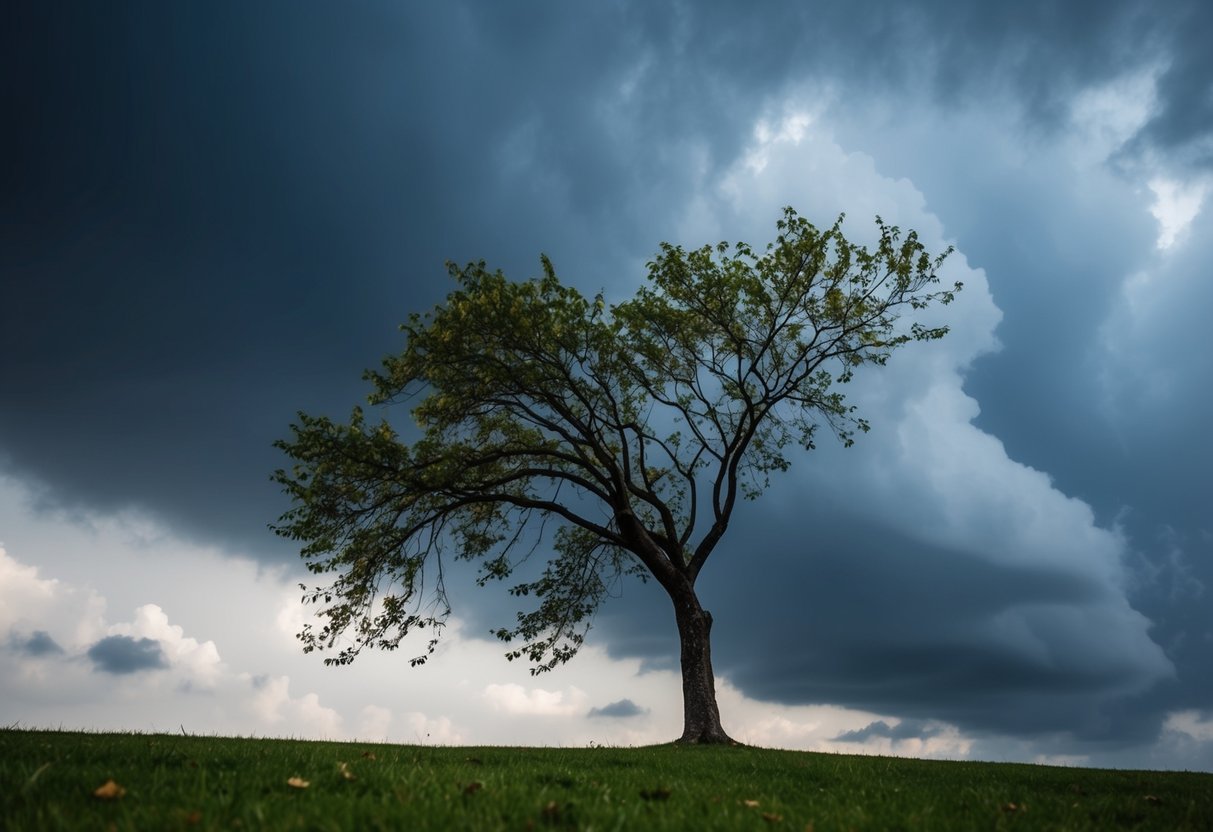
<point x="615" y="438"/>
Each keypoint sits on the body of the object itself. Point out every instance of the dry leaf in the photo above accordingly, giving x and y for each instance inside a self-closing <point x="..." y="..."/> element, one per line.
<point x="1015" y="807"/>
<point x="771" y="817"/>
<point x="750" y="804"/>
<point x="1152" y="799"/>
<point x="298" y="783"/>
<point x="345" y="772"/>
<point x="109" y="790"/>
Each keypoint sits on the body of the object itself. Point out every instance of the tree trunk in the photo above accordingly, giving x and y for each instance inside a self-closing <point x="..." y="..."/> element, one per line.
<point x="701" y="716"/>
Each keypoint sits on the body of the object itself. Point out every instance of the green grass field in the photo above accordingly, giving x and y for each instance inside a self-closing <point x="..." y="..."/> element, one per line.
<point x="59" y="780"/>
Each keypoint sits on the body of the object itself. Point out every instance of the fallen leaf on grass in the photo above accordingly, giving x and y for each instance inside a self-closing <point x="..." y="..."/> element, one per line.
<point x="1015" y="807"/>
<point x="298" y="783"/>
<point x="109" y="790"/>
<point x="345" y="772"/>
<point x="771" y="817"/>
<point x="1152" y="799"/>
<point x="750" y="804"/>
<point x="655" y="794"/>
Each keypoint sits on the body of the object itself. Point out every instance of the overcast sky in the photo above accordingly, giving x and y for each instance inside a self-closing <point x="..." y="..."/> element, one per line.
<point x="212" y="216"/>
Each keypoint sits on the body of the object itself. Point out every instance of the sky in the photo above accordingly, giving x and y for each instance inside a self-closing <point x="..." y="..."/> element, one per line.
<point x="212" y="217"/>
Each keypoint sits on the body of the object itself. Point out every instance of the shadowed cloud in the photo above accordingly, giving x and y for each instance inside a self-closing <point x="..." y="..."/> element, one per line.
<point x="619" y="710"/>
<point x="121" y="655"/>
<point x="36" y="644"/>
<point x="905" y="730"/>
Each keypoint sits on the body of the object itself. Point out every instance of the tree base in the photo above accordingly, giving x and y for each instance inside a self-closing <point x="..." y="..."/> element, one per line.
<point x="706" y="738"/>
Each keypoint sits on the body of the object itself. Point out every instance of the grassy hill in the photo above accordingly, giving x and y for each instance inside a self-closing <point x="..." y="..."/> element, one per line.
<point x="60" y="780"/>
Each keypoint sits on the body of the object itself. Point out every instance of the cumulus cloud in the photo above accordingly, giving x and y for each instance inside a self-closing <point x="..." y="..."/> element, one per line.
<point x="975" y="574"/>
<point x="425" y="730"/>
<point x="515" y="699"/>
<point x="71" y="616"/>
<point x="198" y="661"/>
<point x="293" y="715"/>
<point x="374" y="723"/>
<point x="68" y="666"/>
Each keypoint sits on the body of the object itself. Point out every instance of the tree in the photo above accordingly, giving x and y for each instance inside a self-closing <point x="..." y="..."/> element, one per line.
<point x="620" y="437"/>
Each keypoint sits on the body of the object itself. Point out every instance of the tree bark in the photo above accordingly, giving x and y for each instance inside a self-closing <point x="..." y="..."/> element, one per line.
<point x="701" y="716"/>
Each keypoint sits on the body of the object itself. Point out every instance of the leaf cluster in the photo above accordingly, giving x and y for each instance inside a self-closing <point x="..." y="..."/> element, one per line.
<point x="617" y="437"/>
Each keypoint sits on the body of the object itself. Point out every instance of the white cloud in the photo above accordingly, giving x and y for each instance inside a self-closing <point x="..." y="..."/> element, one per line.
<point x="1106" y="117"/>
<point x="790" y="129"/>
<point x="21" y="590"/>
<point x="198" y="661"/>
<point x="375" y="723"/>
<point x="301" y="716"/>
<point x="817" y="727"/>
<point x="196" y="688"/>
<point x="1190" y="724"/>
<point x="1176" y="204"/>
<point x="1152" y="356"/>
<point x="1186" y="742"/>
<point x="72" y="616"/>
<point x="948" y="744"/>
<point x="423" y="730"/>
<point x="516" y="700"/>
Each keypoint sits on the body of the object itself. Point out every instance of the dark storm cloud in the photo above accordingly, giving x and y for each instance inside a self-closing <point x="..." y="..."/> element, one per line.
<point x="907" y="729"/>
<point x="121" y="655"/>
<point x="1122" y="427"/>
<point x="880" y="622"/>
<point x="1158" y="395"/>
<point x="1184" y="122"/>
<point x="622" y="709"/>
<point x="38" y="643"/>
<point x="212" y="220"/>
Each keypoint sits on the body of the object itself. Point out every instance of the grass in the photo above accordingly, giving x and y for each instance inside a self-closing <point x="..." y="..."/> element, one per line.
<point x="48" y="781"/>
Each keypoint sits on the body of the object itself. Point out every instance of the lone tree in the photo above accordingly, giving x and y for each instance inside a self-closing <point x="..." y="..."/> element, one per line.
<point x="618" y="436"/>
